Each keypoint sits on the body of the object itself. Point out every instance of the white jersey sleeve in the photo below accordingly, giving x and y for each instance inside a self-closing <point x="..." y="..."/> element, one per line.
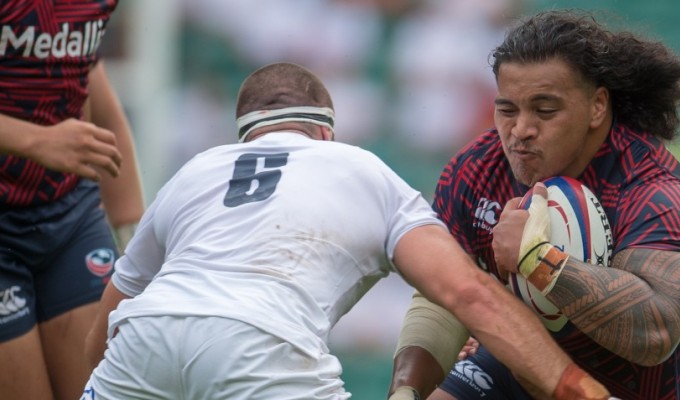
<point x="408" y="210"/>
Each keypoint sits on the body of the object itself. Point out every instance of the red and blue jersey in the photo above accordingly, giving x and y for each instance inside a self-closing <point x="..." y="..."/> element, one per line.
<point x="638" y="183"/>
<point x="47" y="48"/>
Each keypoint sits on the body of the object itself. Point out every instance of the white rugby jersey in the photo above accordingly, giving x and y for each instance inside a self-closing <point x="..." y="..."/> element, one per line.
<point x="285" y="233"/>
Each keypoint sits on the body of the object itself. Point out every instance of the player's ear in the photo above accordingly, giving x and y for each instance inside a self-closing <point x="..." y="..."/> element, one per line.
<point x="327" y="133"/>
<point x="599" y="107"/>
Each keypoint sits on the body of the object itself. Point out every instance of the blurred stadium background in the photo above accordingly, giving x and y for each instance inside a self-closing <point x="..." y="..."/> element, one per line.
<point x="410" y="79"/>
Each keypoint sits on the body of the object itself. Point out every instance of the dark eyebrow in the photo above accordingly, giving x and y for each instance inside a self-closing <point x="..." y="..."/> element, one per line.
<point x="546" y="97"/>
<point x="500" y="102"/>
<point x="537" y="98"/>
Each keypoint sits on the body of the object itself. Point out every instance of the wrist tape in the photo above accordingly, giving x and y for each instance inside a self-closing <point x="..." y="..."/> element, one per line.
<point x="576" y="384"/>
<point x="542" y="265"/>
<point x="405" y="393"/>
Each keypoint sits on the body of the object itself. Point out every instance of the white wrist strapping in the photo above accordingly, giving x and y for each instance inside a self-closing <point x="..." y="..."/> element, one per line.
<point x="539" y="261"/>
<point x="405" y="393"/>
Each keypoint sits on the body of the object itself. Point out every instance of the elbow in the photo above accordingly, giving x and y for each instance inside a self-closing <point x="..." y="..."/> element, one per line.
<point x="652" y="361"/>
<point x="656" y="349"/>
<point x="664" y="339"/>
<point x="663" y="353"/>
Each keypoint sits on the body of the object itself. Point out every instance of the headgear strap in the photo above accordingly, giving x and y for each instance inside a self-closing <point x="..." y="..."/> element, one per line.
<point x="323" y="116"/>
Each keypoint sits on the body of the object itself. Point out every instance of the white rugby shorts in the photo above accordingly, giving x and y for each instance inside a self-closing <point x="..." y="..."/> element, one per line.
<point x="209" y="358"/>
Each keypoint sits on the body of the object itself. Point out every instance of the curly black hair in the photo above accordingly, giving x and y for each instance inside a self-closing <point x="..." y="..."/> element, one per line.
<point x="642" y="76"/>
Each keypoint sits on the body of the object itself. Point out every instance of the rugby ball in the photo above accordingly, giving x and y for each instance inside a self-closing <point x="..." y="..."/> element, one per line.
<point x="579" y="227"/>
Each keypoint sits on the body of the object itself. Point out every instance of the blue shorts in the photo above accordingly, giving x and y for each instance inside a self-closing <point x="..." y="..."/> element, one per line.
<point x="482" y="376"/>
<point x="53" y="258"/>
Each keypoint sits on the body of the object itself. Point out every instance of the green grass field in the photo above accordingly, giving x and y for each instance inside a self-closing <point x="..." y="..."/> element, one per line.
<point x="366" y="375"/>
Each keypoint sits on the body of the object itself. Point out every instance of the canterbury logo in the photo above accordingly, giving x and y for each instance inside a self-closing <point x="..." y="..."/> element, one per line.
<point x="66" y="42"/>
<point x="473" y="375"/>
<point x="10" y="302"/>
<point x="486" y="214"/>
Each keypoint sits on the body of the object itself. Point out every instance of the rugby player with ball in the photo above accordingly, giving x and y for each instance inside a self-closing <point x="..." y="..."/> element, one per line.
<point x="579" y="109"/>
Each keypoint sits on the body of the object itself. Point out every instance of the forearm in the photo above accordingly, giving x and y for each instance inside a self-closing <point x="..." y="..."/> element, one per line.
<point x="639" y="296"/>
<point x="417" y="368"/>
<point x="122" y="195"/>
<point x="17" y="136"/>
<point x="514" y="342"/>
<point x="493" y="315"/>
<point x="70" y="146"/>
<point x="95" y="343"/>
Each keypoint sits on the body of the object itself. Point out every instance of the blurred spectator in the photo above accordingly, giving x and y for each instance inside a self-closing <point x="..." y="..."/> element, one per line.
<point x="335" y="38"/>
<point x="204" y="119"/>
<point x="444" y="85"/>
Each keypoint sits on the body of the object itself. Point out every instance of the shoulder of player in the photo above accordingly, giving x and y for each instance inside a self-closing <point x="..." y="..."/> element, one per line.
<point x="486" y="148"/>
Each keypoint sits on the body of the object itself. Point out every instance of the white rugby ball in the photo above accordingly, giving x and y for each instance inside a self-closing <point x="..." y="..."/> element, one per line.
<point x="579" y="227"/>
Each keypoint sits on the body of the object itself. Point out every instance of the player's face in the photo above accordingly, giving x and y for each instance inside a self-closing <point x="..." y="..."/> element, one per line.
<point x="543" y="115"/>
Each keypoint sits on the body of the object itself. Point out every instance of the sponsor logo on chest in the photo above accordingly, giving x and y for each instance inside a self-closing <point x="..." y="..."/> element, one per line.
<point x="67" y="42"/>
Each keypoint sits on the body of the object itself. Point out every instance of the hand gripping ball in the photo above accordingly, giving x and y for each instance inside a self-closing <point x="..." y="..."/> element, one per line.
<point x="579" y="227"/>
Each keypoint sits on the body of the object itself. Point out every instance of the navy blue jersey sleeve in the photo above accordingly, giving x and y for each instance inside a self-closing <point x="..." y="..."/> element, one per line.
<point x="649" y="216"/>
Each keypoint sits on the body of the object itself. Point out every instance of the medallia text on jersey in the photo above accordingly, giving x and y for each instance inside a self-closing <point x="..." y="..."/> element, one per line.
<point x="67" y="42"/>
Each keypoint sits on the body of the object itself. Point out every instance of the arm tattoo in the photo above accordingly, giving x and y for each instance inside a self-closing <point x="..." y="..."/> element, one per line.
<point x="631" y="308"/>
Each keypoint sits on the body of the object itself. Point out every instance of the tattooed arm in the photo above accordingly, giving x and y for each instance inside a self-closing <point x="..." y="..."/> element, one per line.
<point x="631" y="308"/>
